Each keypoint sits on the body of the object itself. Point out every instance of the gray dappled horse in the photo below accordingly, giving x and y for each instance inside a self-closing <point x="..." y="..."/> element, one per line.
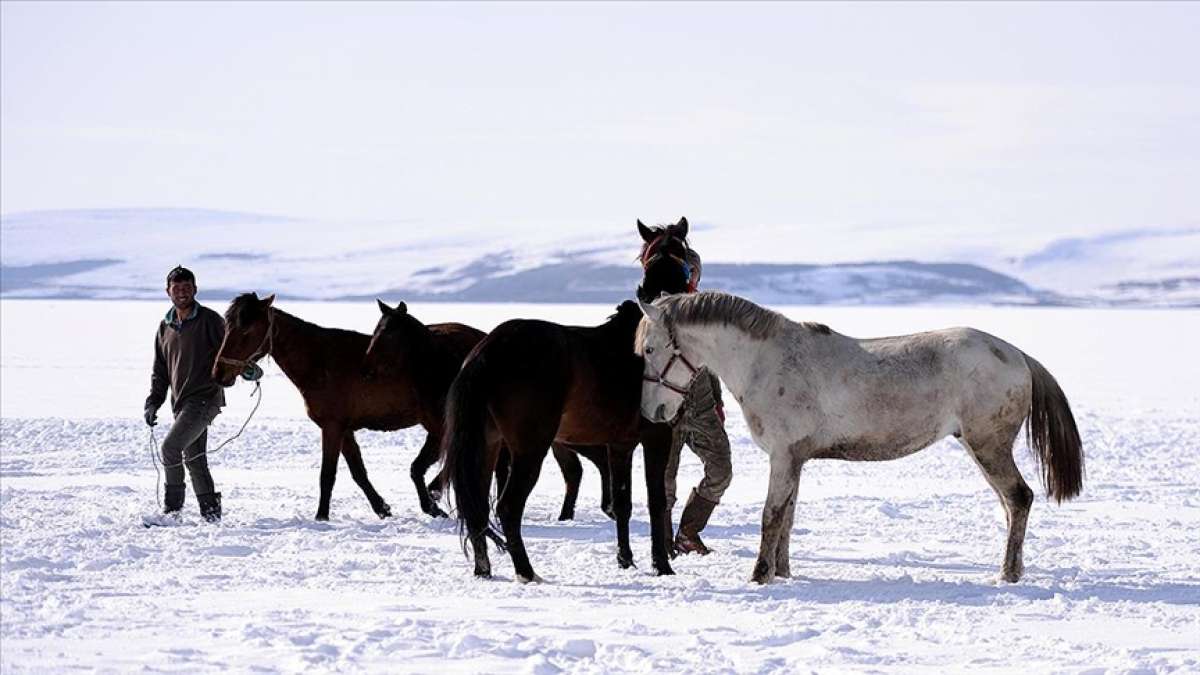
<point x="808" y="392"/>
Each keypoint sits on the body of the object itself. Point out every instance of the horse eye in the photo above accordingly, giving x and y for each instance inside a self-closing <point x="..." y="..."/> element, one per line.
<point x="649" y="350"/>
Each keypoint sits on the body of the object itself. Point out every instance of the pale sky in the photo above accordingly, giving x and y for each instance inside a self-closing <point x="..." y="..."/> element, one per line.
<point x="972" y="119"/>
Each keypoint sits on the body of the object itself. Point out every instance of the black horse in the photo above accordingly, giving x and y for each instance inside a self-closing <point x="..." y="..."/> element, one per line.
<point x="666" y="260"/>
<point x="533" y="383"/>
<point x="406" y="353"/>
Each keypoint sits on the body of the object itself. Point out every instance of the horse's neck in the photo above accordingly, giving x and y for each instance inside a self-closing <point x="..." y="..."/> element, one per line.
<point x="292" y="341"/>
<point x="725" y="350"/>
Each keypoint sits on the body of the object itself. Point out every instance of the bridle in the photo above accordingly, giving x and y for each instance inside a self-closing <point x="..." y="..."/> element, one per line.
<point x="676" y="356"/>
<point x="267" y="342"/>
<point x="650" y="255"/>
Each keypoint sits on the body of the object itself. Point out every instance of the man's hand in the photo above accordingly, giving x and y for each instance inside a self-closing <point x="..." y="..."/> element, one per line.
<point x="151" y="416"/>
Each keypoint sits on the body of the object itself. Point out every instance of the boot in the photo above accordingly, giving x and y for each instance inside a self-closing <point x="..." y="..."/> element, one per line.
<point x="173" y="499"/>
<point x="695" y="517"/>
<point x="210" y="506"/>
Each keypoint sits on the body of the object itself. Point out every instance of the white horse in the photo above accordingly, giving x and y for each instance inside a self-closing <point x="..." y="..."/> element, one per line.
<point x="810" y="393"/>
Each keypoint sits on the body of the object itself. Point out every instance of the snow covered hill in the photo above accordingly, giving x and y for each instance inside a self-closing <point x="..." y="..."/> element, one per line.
<point x="124" y="253"/>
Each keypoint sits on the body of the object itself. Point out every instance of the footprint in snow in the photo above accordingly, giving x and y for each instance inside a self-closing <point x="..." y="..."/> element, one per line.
<point x="231" y="551"/>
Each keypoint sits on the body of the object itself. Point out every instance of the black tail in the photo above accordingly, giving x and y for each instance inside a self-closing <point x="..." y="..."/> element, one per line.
<point x="1053" y="436"/>
<point x="466" y="463"/>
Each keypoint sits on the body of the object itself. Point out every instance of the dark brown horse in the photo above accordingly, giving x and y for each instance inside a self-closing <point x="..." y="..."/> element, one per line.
<point x="325" y="364"/>
<point x="531" y="383"/>
<point x="404" y="350"/>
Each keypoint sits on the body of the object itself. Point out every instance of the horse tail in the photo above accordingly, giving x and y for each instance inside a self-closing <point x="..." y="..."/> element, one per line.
<point x="466" y="460"/>
<point x="1053" y="436"/>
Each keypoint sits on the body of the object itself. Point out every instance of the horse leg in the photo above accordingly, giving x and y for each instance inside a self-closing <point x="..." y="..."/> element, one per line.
<point x="656" y="446"/>
<point x="993" y="454"/>
<point x="331" y="447"/>
<point x="425" y="459"/>
<point x="781" y="495"/>
<point x="572" y="471"/>
<point x="358" y="471"/>
<point x="783" y="563"/>
<point x="526" y="465"/>
<point x="503" y="469"/>
<point x="620" y="462"/>
<point x="598" y="455"/>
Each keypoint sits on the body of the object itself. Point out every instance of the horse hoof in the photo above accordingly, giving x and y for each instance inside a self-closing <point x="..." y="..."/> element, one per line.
<point x="566" y="515"/>
<point x="612" y="515"/>
<point x="384" y="512"/>
<point x="322" y="517"/>
<point x="625" y="561"/>
<point x="437" y="512"/>
<point x="535" y="579"/>
<point x="663" y="570"/>
<point x="762" y="573"/>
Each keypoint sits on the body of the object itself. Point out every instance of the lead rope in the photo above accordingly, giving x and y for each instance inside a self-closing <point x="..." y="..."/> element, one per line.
<point x="156" y="455"/>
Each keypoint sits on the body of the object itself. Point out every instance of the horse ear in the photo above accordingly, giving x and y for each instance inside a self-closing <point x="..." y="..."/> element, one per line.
<point x="266" y="302"/>
<point x="650" y="311"/>
<point x="647" y="233"/>
<point x="402" y="308"/>
<point x="682" y="227"/>
<point x="383" y="308"/>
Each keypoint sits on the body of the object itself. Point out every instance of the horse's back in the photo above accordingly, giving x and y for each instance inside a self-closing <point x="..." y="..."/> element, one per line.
<point x="884" y="398"/>
<point x="458" y="338"/>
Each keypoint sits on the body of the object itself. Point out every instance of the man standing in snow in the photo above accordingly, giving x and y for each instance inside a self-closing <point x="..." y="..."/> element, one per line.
<point x="185" y="346"/>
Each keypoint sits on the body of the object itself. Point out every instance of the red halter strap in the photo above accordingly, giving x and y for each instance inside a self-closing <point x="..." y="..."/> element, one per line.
<point x="650" y="253"/>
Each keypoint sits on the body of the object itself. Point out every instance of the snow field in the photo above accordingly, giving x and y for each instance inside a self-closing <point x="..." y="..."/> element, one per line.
<point x="895" y="564"/>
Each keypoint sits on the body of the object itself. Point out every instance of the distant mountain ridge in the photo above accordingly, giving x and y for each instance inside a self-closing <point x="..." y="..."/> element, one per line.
<point x="115" y="253"/>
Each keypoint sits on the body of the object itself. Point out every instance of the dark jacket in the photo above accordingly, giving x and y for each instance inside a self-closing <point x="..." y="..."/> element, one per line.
<point x="183" y="359"/>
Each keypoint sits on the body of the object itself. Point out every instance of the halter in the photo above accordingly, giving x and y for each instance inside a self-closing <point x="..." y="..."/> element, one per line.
<point x="648" y="258"/>
<point x="676" y="355"/>
<point x="258" y="353"/>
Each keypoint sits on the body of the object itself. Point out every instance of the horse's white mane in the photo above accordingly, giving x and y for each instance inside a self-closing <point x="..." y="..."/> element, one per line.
<point x="711" y="307"/>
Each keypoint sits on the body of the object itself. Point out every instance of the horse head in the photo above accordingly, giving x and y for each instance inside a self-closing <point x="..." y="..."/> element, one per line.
<point x="396" y="338"/>
<point x="667" y="374"/>
<point x="666" y="264"/>
<point x="248" y="324"/>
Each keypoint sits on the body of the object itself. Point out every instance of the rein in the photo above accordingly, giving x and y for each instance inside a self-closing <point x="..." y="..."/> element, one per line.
<point x="156" y="455"/>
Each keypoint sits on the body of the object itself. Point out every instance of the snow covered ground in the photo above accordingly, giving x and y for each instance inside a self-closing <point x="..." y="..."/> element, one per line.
<point x="895" y="564"/>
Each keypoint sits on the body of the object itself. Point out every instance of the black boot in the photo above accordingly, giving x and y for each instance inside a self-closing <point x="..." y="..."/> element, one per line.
<point x="210" y="506"/>
<point x="173" y="499"/>
<point x="695" y="518"/>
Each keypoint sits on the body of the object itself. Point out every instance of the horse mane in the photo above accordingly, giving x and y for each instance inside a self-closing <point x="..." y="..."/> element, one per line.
<point x="239" y="309"/>
<point x="710" y="307"/>
<point x="628" y="315"/>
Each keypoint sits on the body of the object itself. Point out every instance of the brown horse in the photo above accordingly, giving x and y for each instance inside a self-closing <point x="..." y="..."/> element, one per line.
<point x="325" y="364"/>
<point x="402" y="349"/>
<point x="531" y="383"/>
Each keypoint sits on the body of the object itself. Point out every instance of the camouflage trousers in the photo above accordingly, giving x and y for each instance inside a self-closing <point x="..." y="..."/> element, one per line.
<point x="703" y="431"/>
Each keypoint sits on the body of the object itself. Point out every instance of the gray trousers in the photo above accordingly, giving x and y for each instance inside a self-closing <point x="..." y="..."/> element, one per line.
<point x="186" y="443"/>
<point x="701" y="428"/>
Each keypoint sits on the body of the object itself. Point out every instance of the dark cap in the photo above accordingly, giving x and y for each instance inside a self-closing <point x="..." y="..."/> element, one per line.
<point x="180" y="273"/>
